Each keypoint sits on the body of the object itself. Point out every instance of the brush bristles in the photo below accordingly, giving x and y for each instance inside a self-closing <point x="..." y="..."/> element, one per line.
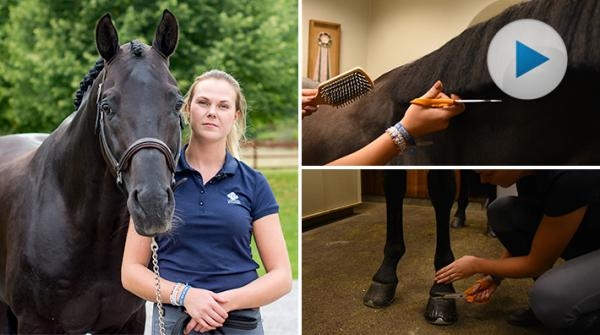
<point x="346" y="89"/>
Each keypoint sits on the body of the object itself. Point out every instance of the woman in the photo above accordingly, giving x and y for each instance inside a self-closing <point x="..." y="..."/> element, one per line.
<point x="557" y="214"/>
<point x="417" y="121"/>
<point x="205" y="262"/>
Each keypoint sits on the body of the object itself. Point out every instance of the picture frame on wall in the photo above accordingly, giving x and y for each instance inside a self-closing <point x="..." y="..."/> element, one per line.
<point x="323" y="50"/>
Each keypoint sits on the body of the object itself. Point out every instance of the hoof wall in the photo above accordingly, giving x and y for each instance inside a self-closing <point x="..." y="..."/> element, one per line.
<point x="380" y="295"/>
<point x="457" y="222"/>
<point x="440" y="311"/>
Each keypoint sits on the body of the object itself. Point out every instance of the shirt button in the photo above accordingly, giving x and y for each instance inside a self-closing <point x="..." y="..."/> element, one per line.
<point x="201" y="203"/>
<point x="201" y="191"/>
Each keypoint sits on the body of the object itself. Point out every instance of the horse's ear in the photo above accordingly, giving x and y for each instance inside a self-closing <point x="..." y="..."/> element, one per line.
<point x="107" y="40"/>
<point x="167" y="34"/>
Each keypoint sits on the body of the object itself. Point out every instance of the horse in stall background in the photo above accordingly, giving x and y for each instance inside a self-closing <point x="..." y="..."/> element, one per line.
<point x="63" y="219"/>
<point x="557" y="129"/>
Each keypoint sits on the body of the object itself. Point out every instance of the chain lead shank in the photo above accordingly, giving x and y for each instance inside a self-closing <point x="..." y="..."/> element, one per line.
<point x="161" y="311"/>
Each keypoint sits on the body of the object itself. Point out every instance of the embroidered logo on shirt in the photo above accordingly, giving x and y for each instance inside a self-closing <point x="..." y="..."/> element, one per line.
<point x="233" y="198"/>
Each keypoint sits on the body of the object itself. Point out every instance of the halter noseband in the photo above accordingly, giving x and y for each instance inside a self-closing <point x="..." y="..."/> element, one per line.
<point x="119" y="166"/>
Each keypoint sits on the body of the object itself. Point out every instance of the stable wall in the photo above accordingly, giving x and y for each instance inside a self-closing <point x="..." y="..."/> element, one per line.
<point x="380" y="35"/>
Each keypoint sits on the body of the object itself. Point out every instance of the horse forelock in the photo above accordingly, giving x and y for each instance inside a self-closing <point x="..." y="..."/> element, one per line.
<point x="134" y="48"/>
<point x="137" y="48"/>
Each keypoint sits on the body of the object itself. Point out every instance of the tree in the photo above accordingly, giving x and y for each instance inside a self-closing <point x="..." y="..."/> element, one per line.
<point x="47" y="47"/>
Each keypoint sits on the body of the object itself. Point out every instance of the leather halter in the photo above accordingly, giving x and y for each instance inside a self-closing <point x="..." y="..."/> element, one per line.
<point x="121" y="165"/>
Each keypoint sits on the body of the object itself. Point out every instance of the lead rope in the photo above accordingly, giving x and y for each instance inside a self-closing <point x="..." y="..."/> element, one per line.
<point x="159" y="305"/>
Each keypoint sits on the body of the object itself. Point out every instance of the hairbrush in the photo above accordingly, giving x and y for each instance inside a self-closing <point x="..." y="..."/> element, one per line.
<point x="343" y="88"/>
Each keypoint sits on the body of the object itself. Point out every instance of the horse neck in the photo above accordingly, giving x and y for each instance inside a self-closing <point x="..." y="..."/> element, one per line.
<point x="75" y="159"/>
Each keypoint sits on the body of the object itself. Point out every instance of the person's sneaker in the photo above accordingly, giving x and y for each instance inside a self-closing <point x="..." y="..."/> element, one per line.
<point x="523" y="317"/>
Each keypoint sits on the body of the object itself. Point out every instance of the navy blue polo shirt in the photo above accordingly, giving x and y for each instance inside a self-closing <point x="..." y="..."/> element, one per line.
<point x="209" y="245"/>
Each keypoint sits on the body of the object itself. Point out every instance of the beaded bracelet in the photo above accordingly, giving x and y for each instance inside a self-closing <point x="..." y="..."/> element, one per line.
<point x="405" y="133"/>
<point x="183" y="294"/>
<point x="397" y="138"/>
<point x="173" y="296"/>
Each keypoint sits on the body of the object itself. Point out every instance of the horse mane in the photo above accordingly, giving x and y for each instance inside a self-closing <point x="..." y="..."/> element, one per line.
<point x="135" y="47"/>
<point x="462" y="62"/>
<point x="87" y="82"/>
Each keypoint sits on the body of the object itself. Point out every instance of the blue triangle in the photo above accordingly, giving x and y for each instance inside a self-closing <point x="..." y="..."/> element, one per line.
<point x="528" y="59"/>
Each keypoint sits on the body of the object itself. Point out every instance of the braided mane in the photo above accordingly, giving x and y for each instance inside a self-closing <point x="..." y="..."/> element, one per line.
<point x="87" y="82"/>
<point x="136" y="48"/>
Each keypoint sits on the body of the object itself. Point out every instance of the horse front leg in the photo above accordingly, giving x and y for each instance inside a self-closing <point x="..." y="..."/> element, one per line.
<point x="383" y="287"/>
<point x="135" y="324"/>
<point x="442" y="187"/>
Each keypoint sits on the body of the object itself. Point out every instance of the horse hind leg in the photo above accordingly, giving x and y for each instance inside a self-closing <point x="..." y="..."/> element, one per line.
<point x="460" y="216"/>
<point x="383" y="286"/>
<point x="442" y="187"/>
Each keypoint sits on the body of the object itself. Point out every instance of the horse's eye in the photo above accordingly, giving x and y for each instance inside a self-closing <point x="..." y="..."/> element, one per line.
<point x="105" y="108"/>
<point x="178" y="104"/>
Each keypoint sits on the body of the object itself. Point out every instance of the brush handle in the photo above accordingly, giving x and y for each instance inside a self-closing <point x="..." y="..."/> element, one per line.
<point x="428" y="102"/>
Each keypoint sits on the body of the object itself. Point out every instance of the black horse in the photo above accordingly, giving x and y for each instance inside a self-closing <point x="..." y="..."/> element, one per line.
<point x="557" y="129"/>
<point x="63" y="219"/>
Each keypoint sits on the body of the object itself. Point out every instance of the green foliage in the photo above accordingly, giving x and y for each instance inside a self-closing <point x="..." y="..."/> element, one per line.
<point x="46" y="48"/>
<point x="284" y="184"/>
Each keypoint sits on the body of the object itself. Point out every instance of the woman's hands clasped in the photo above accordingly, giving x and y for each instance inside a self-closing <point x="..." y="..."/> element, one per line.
<point x="205" y="309"/>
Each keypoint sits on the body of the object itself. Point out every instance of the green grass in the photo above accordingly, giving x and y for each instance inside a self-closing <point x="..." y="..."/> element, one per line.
<point x="284" y="183"/>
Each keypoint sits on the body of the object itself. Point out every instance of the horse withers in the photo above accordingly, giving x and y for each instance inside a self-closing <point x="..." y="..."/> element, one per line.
<point x="66" y="200"/>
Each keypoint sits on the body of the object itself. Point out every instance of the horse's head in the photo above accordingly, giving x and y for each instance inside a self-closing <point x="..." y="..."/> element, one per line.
<point x="138" y="121"/>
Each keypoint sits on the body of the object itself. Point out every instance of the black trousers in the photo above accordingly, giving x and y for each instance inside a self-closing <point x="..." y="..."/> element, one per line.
<point x="563" y="295"/>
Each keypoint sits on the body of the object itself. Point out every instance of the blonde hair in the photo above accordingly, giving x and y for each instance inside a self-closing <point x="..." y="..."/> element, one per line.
<point x="238" y="131"/>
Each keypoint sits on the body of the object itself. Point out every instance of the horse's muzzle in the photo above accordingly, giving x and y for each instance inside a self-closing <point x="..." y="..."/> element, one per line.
<point x="151" y="210"/>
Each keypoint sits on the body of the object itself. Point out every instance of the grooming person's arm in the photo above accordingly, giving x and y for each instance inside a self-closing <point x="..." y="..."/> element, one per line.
<point x="417" y="121"/>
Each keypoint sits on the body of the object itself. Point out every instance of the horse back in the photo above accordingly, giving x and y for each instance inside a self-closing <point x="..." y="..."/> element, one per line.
<point x="15" y="146"/>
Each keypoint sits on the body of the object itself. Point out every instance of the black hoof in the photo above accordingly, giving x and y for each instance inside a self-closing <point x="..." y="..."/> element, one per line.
<point x="457" y="222"/>
<point x="440" y="311"/>
<point x="380" y="295"/>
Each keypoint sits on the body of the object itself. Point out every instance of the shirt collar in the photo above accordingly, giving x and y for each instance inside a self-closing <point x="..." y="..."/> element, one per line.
<point x="228" y="168"/>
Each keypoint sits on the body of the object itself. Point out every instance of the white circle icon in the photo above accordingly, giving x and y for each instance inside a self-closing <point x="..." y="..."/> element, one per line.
<point x="527" y="59"/>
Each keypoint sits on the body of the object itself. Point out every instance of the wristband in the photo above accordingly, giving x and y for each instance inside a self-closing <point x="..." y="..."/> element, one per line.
<point x="183" y="294"/>
<point x="405" y="133"/>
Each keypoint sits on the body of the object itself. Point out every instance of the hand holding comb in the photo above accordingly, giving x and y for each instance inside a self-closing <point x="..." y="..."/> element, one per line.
<point x="343" y="88"/>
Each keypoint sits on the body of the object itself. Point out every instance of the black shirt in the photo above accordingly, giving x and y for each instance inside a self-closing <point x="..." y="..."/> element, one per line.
<point x="558" y="193"/>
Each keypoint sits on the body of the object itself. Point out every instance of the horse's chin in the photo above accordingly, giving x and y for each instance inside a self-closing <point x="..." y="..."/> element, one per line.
<point x="150" y="222"/>
<point x="150" y="228"/>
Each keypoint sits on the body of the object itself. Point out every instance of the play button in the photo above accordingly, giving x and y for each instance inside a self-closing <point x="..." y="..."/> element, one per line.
<point x="527" y="59"/>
